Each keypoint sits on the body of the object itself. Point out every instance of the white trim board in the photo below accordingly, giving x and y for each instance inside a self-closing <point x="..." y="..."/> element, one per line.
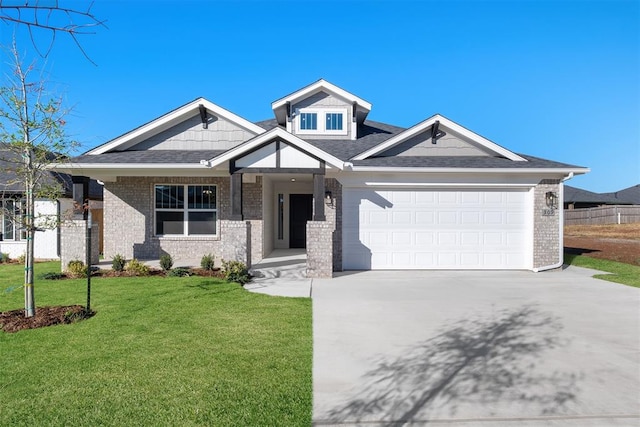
<point x="445" y="123"/>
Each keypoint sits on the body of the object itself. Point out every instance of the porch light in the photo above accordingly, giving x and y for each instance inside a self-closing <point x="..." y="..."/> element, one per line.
<point x="328" y="197"/>
<point x="551" y="198"/>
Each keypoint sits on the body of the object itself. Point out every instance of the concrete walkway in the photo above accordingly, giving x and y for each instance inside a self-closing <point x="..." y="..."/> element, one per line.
<point x="475" y="348"/>
<point x="281" y="273"/>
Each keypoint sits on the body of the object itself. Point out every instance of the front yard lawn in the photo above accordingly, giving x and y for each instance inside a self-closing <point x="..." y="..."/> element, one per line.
<point x="159" y="351"/>
<point x="626" y="274"/>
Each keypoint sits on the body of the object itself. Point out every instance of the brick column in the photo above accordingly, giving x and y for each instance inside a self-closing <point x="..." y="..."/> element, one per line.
<point x="546" y="226"/>
<point x="236" y="241"/>
<point x="73" y="242"/>
<point x="319" y="249"/>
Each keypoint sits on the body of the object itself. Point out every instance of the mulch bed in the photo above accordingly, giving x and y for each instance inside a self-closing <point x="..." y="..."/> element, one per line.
<point x="14" y="321"/>
<point x="621" y="250"/>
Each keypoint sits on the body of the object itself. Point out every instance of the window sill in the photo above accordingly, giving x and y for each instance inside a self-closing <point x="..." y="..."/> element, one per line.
<point x="206" y="238"/>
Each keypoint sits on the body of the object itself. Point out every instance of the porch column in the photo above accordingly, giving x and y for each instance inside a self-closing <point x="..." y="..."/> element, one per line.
<point x="318" y="197"/>
<point x="80" y="196"/>
<point x="236" y="196"/>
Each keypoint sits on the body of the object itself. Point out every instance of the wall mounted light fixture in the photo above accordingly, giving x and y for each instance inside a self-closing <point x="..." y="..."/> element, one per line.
<point x="551" y="198"/>
<point x="328" y="197"/>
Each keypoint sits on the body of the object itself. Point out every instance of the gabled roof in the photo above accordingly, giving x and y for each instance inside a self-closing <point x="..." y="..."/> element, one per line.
<point x="622" y="197"/>
<point x="445" y="123"/>
<point x="280" y="106"/>
<point x="264" y="138"/>
<point x="171" y="119"/>
<point x="11" y="184"/>
<point x="631" y="194"/>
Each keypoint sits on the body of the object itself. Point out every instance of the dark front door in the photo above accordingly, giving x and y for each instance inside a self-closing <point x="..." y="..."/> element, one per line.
<point x="300" y="211"/>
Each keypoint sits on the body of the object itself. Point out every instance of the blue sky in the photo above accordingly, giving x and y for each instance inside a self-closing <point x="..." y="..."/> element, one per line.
<point x="558" y="80"/>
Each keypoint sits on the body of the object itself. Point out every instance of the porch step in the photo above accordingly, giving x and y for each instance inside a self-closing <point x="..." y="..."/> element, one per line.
<point x="282" y="263"/>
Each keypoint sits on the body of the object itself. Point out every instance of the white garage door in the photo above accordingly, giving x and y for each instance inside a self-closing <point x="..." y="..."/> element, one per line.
<point x="417" y="229"/>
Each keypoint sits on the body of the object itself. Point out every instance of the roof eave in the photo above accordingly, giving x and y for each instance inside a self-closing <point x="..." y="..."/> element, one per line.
<point x="168" y="120"/>
<point x="552" y="171"/>
<point x="425" y="124"/>
<point x="267" y="136"/>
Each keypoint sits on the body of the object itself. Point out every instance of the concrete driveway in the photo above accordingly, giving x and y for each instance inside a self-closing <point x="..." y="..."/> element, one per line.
<point x="476" y="349"/>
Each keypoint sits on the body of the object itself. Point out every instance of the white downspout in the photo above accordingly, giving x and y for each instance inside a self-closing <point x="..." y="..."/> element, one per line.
<point x="560" y="231"/>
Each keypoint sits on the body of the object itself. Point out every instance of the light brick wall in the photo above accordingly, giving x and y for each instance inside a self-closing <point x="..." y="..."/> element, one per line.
<point x="73" y="242"/>
<point x="129" y="220"/>
<point x="546" y="228"/>
<point x="319" y="249"/>
<point x="334" y="216"/>
<point x="236" y="241"/>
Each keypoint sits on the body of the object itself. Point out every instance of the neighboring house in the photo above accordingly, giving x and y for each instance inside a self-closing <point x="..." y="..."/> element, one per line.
<point x="577" y="198"/>
<point x="47" y="212"/>
<point x="357" y="194"/>
<point x="629" y="195"/>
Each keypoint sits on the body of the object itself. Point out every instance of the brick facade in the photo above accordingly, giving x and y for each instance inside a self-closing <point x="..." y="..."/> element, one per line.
<point x="73" y="242"/>
<point x="333" y="213"/>
<point x="129" y="220"/>
<point x="319" y="249"/>
<point x="546" y="227"/>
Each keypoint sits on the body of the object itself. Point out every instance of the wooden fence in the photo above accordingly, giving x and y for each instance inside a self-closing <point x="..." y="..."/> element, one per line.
<point x="615" y="214"/>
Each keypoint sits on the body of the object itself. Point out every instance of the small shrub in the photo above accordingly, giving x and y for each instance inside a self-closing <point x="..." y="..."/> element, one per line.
<point x="118" y="263"/>
<point x="52" y="276"/>
<point x="178" y="272"/>
<point x="166" y="262"/>
<point x="136" y="268"/>
<point x="235" y="271"/>
<point x="76" y="269"/>
<point x="22" y="258"/>
<point x="4" y="257"/>
<point x="207" y="262"/>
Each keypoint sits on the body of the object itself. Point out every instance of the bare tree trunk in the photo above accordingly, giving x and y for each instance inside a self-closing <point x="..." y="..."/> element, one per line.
<point x="29" y="298"/>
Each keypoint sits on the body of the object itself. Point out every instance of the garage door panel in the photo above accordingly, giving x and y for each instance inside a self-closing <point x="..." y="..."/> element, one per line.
<point x="425" y="218"/>
<point x="392" y="229"/>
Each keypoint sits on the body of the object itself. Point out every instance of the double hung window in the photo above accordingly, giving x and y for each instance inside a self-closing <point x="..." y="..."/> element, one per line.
<point x="185" y="210"/>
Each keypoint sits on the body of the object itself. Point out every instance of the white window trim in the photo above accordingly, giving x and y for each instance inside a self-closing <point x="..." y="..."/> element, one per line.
<point x="185" y="210"/>
<point x="322" y="121"/>
<point x="16" y="221"/>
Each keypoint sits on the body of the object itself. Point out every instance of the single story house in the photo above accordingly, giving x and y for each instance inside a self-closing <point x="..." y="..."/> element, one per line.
<point x="48" y="213"/>
<point x="577" y="198"/>
<point x="357" y="194"/>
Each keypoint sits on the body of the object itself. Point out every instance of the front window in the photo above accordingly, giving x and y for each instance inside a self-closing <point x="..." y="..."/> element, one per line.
<point x="11" y="212"/>
<point x="309" y="121"/>
<point x="186" y="210"/>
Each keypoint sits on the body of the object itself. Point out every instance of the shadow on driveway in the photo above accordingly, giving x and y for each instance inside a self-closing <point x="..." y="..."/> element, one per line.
<point x="478" y="361"/>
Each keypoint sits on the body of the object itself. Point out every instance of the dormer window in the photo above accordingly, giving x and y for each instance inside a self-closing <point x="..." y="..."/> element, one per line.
<point x="334" y="121"/>
<point x="322" y="121"/>
<point x="308" y="121"/>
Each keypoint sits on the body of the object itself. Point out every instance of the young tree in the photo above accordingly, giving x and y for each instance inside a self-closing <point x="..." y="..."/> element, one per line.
<point x="32" y="137"/>
<point x="50" y="18"/>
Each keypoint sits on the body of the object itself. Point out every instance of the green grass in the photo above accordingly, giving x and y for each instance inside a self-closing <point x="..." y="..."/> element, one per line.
<point x="625" y="274"/>
<point x="159" y="351"/>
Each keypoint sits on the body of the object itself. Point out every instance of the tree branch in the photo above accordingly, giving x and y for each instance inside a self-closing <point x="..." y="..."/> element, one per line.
<point x="52" y="18"/>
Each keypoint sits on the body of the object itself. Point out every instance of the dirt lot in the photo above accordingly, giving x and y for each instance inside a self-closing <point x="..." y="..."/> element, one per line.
<point x="614" y="242"/>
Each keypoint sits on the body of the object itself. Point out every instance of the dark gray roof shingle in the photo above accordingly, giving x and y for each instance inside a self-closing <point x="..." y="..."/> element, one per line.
<point x="628" y="196"/>
<point x="149" y="156"/>
<point x="631" y="194"/>
<point x="10" y="184"/>
<point x="460" y="162"/>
